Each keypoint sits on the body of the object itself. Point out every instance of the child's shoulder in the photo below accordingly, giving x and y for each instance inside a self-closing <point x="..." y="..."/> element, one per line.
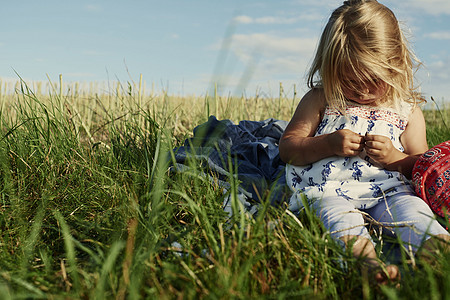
<point x="405" y="108"/>
<point x="316" y="94"/>
<point x="315" y="97"/>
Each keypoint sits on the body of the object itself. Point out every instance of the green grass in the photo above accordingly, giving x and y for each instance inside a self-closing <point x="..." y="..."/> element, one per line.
<point x="89" y="210"/>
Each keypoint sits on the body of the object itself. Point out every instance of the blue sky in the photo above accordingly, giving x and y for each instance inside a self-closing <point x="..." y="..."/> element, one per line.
<point x="184" y="46"/>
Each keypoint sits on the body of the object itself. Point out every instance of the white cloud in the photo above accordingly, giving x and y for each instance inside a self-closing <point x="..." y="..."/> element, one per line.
<point x="270" y="20"/>
<point x="328" y="4"/>
<point x="265" y="58"/>
<point x="434" y="78"/>
<point x="243" y="20"/>
<point x="439" y="35"/>
<point x="273" y="45"/>
<point x="433" y="7"/>
<point x="272" y="54"/>
<point x="265" y="20"/>
<point x="92" y="8"/>
<point x="439" y="69"/>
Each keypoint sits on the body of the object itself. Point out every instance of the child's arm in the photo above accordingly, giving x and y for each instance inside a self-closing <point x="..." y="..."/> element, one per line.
<point x="299" y="146"/>
<point x="413" y="139"/>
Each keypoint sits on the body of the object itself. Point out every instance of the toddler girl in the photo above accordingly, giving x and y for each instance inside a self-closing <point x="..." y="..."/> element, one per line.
<point x="355" y="136"/>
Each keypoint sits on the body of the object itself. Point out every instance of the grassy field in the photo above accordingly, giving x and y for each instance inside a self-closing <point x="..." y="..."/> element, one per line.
<point x="89" y="210"/>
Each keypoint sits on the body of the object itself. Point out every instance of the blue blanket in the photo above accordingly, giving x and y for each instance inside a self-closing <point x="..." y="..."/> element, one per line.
<point x="252" y="149"/>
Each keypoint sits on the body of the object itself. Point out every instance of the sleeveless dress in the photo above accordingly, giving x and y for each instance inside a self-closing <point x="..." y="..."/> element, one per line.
<point x="357" y="179"/>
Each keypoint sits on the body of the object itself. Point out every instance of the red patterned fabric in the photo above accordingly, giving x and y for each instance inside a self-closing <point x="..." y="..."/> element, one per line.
<point x="431" y="178"/>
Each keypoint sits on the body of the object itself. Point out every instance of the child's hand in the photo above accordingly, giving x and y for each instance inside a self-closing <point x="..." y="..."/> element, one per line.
<point x="380" y="149"/>
<point x="345" y="142"/>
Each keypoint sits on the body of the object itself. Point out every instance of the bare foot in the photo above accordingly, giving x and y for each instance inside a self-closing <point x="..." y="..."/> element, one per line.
<point x="391" y="273"/>
<point x="363" y="248"/>
<point x="381" y="274"/>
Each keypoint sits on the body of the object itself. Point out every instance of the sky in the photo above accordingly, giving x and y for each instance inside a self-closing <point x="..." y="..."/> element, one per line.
<point x="185" y="46"/>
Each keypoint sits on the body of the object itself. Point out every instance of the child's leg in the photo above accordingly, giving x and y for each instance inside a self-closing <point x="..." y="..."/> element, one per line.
<point x="346" y="223"/>
<point x="415" y="220"/>
<point x="340" y="217"/>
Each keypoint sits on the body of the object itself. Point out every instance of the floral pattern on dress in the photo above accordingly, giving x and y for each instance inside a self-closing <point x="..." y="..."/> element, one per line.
<point x="356" y="178"/>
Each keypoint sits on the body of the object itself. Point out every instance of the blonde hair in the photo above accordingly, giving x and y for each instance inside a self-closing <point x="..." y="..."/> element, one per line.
<point x="363" y="37"/>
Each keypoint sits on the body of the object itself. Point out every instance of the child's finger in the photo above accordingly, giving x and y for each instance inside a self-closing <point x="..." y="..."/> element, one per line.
<point x="373" y="144"/>
<point x="360" y="139"/>
<point x="360" y="147"/>
<point x="375" y="137"/>
<point x="373" y="151"/>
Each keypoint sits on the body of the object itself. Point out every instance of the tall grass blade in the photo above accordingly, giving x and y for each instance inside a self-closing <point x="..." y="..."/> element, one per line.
<point x="107" y="269"/>
<point x="5" y="292"/>
<point x="440" y="112"/>
<point x="70" y="251"/>
<point x="30" y="242"/>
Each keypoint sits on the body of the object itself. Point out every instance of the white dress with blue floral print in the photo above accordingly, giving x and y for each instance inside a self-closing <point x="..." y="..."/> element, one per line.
<point x="357" y="179"/>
